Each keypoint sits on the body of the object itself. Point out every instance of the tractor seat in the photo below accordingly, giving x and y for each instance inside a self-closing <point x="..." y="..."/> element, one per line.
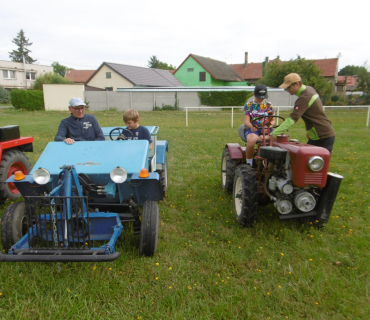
<point x="241" y="132"/>
<point x="242" y="136"/>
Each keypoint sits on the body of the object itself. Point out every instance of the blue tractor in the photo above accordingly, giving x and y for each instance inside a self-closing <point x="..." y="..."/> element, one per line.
<point x="79" y="197"/>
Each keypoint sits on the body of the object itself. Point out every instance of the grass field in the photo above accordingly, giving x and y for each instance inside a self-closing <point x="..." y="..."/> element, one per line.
<point x="206" y="266"/>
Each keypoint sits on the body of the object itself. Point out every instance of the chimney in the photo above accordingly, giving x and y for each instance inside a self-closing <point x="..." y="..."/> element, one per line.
<point x="245" y="60"/>
<point x="267" y="59"/>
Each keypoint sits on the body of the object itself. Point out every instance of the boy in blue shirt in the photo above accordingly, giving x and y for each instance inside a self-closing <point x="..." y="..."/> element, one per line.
<point x="134" y="130"/>
<point x="252" y="110"/>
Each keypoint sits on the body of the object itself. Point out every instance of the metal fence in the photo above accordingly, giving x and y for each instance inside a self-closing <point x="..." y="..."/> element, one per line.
<point x="278" y="108"/>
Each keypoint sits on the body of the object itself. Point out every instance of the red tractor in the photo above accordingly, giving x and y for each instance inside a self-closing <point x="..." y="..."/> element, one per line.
<point x="13" y="159"/>
<point x="292" y="175"/>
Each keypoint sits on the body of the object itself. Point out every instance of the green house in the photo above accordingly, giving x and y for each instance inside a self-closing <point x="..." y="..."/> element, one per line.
<point x="197" y="71"/>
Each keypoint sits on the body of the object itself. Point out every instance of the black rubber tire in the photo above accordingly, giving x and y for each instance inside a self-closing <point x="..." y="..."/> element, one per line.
<point x="11" y="161"/>
<point x="228" y="167"/>
<point x="163" y="175"/>
<point x="13" y="224"/>
<point x="149" y="229"/>
<point x="245" y="196"/>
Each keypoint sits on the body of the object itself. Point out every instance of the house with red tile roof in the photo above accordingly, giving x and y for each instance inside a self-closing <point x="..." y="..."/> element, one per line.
<point x="252" y="72"/>
<point x="349" y="83"/>
<point x="79" y="76"/>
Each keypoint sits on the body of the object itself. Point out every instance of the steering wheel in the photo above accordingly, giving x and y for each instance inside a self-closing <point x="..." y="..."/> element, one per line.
<point x="264" y="117"/>
<point x="120" y="136"/>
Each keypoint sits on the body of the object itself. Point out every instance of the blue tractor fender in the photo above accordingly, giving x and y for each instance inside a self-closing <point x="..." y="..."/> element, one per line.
<point x="145" y="189"/>
<point x="162" y="148"/>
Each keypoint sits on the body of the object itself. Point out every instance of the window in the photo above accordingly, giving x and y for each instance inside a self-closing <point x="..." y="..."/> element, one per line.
<point x="190" y="69"/>
<point x="30" y="75"/>
<point x="108" y="88"/>
<point x="202" y="76"/>
<point x="108" y="75"/>
<point x="8" y="74"/>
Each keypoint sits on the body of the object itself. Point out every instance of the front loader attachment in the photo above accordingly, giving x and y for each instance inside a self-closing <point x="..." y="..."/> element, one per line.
<point x="60" y="227"/>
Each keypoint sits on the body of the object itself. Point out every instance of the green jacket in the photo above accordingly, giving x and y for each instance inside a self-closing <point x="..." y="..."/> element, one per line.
<point x="308" y="107"/>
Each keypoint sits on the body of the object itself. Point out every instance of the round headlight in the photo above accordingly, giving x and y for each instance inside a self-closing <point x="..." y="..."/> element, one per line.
<point x="316" y="163"/>
<point x="41" y="176"/>
<point x="118" y="175"/>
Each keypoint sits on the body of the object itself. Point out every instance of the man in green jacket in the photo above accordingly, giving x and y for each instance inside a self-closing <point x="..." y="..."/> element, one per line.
<point x="309" y="107"/>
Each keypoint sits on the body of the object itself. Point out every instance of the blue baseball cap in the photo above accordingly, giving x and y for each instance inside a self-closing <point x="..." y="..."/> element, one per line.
<point x="75" y="102"/>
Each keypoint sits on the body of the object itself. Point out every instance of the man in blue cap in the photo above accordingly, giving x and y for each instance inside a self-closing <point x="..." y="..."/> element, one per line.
<point x="79" y="126"/>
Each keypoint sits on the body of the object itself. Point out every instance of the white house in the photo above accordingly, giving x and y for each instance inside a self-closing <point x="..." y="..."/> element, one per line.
<point x="20" y="75"/>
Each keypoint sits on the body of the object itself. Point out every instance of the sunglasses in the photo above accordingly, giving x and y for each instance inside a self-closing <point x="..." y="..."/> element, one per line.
<point x="78" y="109"/>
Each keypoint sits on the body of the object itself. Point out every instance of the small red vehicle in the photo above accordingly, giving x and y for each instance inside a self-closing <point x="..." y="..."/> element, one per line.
<point x="292" y="175"/>
<point x="12" y="146"/>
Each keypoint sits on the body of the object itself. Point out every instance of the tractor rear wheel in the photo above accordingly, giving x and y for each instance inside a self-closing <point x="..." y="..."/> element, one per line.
<point x="14" y="224"/>
<point x="228" y="167"/>
<point x="245" y="195"/>
<point x="149" y="229"/>
<point x="12" y="161"/>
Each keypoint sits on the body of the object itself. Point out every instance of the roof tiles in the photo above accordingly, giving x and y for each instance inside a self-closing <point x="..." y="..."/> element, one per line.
<point x="79" y="75"/>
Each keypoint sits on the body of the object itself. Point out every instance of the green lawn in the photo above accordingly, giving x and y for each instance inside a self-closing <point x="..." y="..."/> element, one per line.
<point x="206" y="265"/>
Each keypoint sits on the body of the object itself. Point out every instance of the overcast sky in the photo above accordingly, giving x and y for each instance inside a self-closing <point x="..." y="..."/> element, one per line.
<point x="82" y="34"/>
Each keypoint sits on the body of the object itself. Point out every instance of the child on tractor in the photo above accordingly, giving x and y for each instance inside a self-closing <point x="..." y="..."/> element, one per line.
<point x="257" y="126"/>
<point x="134" y="131"/>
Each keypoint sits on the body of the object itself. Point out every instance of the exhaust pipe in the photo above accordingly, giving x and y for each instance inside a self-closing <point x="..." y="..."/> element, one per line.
<point x="327" y="197"/>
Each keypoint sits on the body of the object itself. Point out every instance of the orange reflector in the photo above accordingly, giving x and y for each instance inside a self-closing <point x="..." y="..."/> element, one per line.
<point x="144" y="173"/>
<point x="19" y="175"/>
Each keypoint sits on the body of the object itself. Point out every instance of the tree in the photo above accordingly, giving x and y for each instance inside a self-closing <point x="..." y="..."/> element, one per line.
<point x="47" y="78"/>
<point x="363" y="80"/>
<point x="22" y="42"/>
<point x="274" y="74"/>
<point x="350" y="70"/>
<point x="155" y="63"/>
<point x="59" y="68"/>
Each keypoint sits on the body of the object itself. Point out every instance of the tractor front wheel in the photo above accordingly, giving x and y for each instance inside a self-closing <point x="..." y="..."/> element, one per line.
<point x="14" y="224"/>
<point x="12" y="161"/>
<point x="245" y="195"/>
<point x="164" y="176"/>
<point x="149" y="229"/>
<point x="228" y="167"/>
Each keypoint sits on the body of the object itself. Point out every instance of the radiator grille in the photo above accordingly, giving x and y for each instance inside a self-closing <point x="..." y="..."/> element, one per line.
<point x="313" y="178"/>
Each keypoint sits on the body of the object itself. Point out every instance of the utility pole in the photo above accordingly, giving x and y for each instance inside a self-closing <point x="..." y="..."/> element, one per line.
<point x="25" y="74"/>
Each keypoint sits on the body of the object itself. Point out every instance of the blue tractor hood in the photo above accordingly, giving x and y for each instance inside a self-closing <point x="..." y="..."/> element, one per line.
<point x="95" y="157"/>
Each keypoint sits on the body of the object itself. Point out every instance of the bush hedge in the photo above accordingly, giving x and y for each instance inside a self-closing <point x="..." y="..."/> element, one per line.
<point x="4" y="95"/>
<point x="224" y="98"/>
<point x="28" y="99"/>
